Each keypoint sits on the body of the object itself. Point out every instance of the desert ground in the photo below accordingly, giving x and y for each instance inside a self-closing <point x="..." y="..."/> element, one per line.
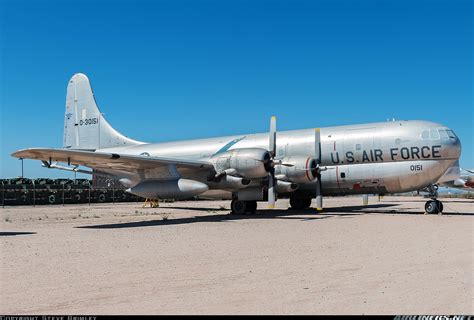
<point x="193" y="257"/>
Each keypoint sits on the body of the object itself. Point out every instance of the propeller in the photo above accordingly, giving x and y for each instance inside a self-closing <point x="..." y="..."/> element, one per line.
<point x="271" y="172"/>
<point x="317" y="152"/>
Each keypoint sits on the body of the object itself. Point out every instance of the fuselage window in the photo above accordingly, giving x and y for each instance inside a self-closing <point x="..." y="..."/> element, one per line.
<point x="343" y="175"/>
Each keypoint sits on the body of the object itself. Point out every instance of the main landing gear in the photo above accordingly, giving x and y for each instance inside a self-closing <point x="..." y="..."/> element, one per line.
<point x="243" y="207"/>
<point x="433" y="206"/>
<point x="300" y="203"/>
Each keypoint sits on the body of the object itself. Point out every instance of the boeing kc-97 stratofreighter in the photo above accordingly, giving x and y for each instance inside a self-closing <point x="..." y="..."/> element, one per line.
<point x="374" y="158"/>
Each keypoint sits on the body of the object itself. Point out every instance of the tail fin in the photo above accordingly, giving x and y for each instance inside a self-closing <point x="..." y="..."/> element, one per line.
<point x="84" y="125"/>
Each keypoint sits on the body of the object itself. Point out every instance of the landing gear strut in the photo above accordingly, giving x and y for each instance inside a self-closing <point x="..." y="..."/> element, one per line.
<point x="243" y="207"/>
<point x="432" y="190"/>
<point x="433" y="206"/>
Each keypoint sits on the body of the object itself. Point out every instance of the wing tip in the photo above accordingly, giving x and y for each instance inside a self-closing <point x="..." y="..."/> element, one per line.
<point x="18" y="153"/>
<point x="25" y="153"/>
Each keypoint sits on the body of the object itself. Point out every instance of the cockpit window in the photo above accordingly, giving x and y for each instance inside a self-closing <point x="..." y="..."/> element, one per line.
<point x="447" y="135"/>
<point x="443" y="134"/>
<point x="425" y="135"/>
<point x="434" y="134"/>
<point x="451" y="134"/>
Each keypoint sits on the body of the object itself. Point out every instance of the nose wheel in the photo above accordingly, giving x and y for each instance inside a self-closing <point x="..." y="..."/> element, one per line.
<point x="434" y="207"/>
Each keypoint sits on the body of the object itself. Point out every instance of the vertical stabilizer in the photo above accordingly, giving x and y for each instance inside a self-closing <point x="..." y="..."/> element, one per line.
<point x="84" y="125"/>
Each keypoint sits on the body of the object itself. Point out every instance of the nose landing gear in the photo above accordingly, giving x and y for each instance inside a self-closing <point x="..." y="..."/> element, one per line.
<point x="433" y="206"/>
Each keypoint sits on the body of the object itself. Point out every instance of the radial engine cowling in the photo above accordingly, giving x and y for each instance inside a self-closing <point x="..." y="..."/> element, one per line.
<point x="297" y="169"/>
<point x="250" y="163"/>
<point x="168" y="189"/>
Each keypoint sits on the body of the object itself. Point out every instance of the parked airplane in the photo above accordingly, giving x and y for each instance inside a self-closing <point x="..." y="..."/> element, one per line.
<point x="375" y="158"/>
<point x="462" y="179"/>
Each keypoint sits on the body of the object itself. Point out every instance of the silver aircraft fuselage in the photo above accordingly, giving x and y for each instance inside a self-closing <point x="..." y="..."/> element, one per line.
<point x="373" y="158"/>
<point x="378" y="158"/>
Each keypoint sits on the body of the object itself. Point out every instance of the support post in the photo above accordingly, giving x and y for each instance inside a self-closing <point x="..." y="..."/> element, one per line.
<point x="365" y="199"/>
<point x="34" y="194"/>
<point x="3" y="195"/>
<point x="21" y="159"/>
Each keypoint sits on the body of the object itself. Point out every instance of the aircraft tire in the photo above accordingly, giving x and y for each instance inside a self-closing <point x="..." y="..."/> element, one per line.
<point x="251" y="206"/>
<point x="238" y="207"/>
<point x="431" y="207"/>
<point x="440" y="206"/>
<point x="52" y="198"/>
<point x="101" y="197"/>
<point x="297" y="203"/>
<point x="307" y="203"/>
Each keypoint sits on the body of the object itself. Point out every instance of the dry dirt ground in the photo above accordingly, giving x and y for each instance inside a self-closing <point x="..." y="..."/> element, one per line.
<point x="196" y="258"/>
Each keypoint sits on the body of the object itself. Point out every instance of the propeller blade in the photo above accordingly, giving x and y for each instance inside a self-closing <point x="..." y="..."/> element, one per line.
<point x="319" y="197"/>
<point x="272" y="142"/>
<point x="317" y="154"/>
<point x="317" y="145"/>
<point x="271" y="174"/>
<point x="271" y="190"/>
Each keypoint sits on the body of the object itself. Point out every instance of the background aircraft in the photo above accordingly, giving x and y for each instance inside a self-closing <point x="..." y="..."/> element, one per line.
<point x="463" y="180"/>
<point x="378" y="158"/>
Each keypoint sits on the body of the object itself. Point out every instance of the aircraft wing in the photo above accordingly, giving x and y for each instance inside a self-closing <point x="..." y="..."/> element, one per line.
<point x="146" y="167"/>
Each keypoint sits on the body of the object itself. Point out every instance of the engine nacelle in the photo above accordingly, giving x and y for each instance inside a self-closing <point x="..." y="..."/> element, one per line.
<point x="297" y="169"/>
<point x="285" y="187"/>
<point x="250" y="163"/>
<point x="168" y="189"/>
<point x="228" y="182"/>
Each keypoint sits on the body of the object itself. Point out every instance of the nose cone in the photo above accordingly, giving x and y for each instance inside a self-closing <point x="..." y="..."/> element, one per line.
<point x="191" y="186"/>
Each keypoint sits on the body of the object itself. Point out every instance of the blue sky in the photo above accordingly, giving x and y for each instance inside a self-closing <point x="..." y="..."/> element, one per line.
<point x="170" y="70"/>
